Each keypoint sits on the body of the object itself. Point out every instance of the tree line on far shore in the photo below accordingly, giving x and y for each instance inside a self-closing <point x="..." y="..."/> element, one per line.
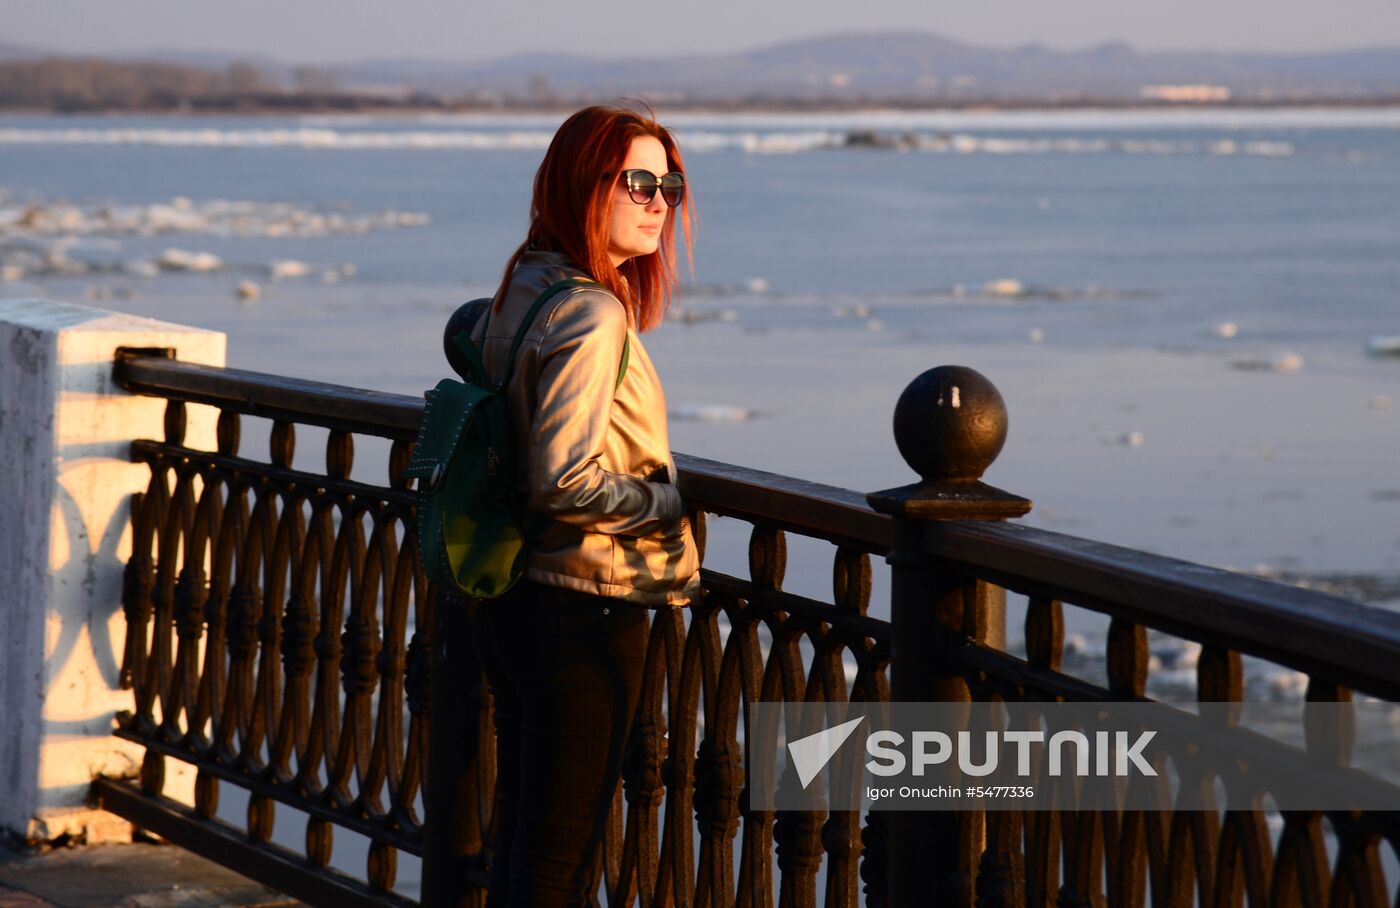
<point x="78" y="85"/>
<point x="73" y="85"/>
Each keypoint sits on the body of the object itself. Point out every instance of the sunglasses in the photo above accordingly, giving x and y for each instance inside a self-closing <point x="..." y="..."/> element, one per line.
<point x="642" y="186"/>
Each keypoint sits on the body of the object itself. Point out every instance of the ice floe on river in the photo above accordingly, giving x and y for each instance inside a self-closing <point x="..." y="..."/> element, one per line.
<point x="694" y="140"/>
<point x="1282" y="361"/>
<point x="216" y="217"/>
<point x="711" y="413"/>
<point x="63" y="239"/>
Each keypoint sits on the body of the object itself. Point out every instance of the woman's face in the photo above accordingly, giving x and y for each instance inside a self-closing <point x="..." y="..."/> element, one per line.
<point x="636" y="229"/>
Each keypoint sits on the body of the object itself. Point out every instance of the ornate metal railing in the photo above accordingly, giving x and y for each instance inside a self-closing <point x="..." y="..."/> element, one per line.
<point x="279" y="624"/>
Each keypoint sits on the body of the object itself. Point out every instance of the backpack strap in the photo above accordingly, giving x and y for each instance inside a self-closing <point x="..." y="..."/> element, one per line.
<point x="463" y="340"/>
<point x="535" y="307"/>
<point x="622" y="366"/>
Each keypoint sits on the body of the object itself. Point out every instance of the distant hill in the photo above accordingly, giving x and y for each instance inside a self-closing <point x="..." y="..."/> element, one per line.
<point x="17" y="52"/>
<point x="871" y="66"/>
<point x="902" y="64"/>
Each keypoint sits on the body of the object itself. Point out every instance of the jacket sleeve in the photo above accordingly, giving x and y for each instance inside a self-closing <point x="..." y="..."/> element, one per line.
<point x="579" y="359"/>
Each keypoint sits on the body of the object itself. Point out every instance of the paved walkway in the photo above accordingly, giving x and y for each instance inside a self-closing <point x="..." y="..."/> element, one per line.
<point x="118" y="876"/>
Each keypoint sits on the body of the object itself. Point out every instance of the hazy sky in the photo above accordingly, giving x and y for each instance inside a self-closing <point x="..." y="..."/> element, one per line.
<point x="333" y="30"/>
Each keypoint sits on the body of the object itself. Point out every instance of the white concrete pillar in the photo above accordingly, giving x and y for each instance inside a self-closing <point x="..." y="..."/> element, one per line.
<point x="65" y="488"/>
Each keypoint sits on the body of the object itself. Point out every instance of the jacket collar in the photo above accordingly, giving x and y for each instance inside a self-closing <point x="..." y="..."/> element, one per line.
<point x="559" y="261"/>
<point x="540" y="257"/>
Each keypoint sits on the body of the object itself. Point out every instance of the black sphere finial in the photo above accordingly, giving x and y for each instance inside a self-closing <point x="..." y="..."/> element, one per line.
<point x="950" y="424"/>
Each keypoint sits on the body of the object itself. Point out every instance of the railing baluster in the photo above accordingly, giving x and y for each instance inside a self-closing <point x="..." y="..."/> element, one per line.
<point x="796" y="835"/>
<point x="1045" y="645"/>
<point x="382" y="866"/>
<point x="642" y="782"/>
<point x="764" y="830"/>
<point x="1301" y="875"/>
<point x="187" y="613"/>
<point x="262" y="814"/>
<point x="346" y="571"/>
<point x="297" y="647"/>
<point x="403" y="747"/>
<point x="138" y="581"/>
<point x="767" y="557"/>
<point x="319" y="576"/>
<point x="1245" y="855"/>
<point x="1127" y="679"/>
<point x="244" y="714"/>
<point x="267" y="697"/>
<point x="206" y="794"/>
<point x="840" y="835"/>
<point x="718" y="764"/>
<point x="152" y="776"/>
<point x="359" y="672"/>
<point x="167" y="570"/>
<point x="278" y="526"/>
<point x="382" y="731"/>
<point x="675" y="881"/>
<point x="1194" y="835"/>
<point x="417" y="681"/>
<point x="218" y="487"/>
<point x="319" y="840"/>
<point x="1001" y="872"/>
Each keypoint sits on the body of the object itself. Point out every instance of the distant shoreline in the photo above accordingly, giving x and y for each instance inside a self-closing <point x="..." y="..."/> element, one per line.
<point x="838" y="72"/>
<point x="265" y="105"/>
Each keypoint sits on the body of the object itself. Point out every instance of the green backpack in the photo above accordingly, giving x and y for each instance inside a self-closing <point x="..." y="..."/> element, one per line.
<point x="472" y="537"/>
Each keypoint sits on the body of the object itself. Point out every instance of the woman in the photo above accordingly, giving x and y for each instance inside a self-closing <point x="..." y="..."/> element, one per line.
<point x="564" y="648"/>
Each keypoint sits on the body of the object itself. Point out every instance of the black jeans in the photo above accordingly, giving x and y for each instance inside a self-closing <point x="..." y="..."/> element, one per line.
<point x="565" y="670"/>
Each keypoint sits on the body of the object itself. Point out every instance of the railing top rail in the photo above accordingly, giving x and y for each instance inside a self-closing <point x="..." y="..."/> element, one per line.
<point x="809" y="508"/>
<point x="1352" y="643"/>
<point x="1355" y="644"/>
<point x="272" y="396"/>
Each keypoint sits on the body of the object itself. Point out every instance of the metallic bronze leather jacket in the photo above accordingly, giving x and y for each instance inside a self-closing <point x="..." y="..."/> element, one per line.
<point x="586" y="449"/>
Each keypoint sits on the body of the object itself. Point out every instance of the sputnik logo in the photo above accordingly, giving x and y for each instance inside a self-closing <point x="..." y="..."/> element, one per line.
<point x="813" y="752"/>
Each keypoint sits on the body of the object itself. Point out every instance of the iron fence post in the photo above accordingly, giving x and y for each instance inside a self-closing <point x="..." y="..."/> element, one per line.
<point x="950" y="424"/>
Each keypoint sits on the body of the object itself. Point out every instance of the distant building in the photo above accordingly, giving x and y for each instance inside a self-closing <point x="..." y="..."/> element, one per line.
<point x="387" y="91"/>
<point x="1187" y="93"/>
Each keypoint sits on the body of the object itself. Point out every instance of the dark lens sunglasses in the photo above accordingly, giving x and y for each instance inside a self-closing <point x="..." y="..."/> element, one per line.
<point x="642" y="186"/>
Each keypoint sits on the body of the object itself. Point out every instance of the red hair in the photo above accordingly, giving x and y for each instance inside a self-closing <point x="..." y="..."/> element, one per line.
<point x="571" y="211"/>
